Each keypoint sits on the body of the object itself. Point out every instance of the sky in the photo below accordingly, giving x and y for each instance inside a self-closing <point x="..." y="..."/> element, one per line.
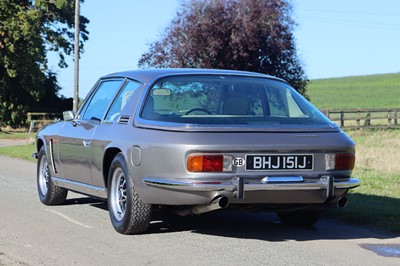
<point x="334" y="38"/>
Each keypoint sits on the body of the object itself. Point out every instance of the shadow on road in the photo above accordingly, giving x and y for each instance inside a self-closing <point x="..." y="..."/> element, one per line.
<point x="244" y="225"/>
<point x="261" y="226"/>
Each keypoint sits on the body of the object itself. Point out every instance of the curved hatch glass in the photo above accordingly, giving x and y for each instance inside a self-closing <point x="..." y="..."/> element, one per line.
<point x="229" y="100"/>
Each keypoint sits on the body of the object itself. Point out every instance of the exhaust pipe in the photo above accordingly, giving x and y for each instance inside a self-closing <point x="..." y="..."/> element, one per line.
<point x="218" y="202"/>
<point x="342" y="202"/>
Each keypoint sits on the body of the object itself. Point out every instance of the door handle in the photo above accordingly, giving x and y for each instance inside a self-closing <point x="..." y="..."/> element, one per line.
<point x="86" y="143"/>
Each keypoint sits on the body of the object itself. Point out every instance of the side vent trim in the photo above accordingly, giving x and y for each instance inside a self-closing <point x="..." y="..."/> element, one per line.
<point x="124" y="119"/>
<point x="52" y="156"/>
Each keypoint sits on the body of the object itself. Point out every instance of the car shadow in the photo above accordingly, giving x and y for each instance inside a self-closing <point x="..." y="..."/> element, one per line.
<point x="262" y="226"/>
<point x="83" y="200"/>
<point x="231" y="223"/>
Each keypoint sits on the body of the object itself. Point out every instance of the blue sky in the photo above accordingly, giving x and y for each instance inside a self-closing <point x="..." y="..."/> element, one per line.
<point x="335" y="38"/>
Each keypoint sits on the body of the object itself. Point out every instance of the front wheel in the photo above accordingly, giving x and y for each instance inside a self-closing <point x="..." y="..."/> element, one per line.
<point x="129" y="214"/>
<point x="304" y="218"/>
<point x="49" y="193"/>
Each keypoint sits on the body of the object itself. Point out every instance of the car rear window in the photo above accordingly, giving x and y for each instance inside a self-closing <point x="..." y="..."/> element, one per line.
<point x="228" y="100"/>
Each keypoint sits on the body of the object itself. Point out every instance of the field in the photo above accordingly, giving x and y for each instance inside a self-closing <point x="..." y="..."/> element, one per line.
<point x="374" y="91"/>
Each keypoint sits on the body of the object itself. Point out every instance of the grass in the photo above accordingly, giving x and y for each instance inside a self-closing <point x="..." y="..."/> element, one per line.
<point x="20" y="151"/>
<point x="15" y="135"/>
<point x="373" y="91"/>
<point x="377" y="151"/>
<point x="376" y="203"/>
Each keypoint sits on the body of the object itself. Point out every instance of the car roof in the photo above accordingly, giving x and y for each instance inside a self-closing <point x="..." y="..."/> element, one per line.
<point x="148" y="75"/>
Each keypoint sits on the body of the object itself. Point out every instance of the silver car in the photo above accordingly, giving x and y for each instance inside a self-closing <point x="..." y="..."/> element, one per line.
<point x="193" y="141"/>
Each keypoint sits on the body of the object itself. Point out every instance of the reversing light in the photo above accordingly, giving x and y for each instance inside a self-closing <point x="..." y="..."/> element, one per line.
<point x="341" y="161"/>
<point x="209" y="163"/>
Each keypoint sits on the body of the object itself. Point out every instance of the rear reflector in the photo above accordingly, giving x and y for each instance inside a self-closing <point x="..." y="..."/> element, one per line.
<point x="209" y="163"/>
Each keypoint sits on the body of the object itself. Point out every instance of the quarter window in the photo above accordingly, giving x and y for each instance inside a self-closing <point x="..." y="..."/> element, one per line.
<point x="123" y="97"/>
<point x="101" y="99"/>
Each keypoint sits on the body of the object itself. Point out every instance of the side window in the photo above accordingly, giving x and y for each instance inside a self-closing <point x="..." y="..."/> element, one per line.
<point x="293" y="108"/>
<point x="101" y="100"/>
<point x="277" y="101"/>
<point x="121" y="100"/>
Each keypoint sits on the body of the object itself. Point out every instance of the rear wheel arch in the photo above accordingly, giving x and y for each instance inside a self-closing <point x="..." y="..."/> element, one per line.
<point x="109" y="156"/>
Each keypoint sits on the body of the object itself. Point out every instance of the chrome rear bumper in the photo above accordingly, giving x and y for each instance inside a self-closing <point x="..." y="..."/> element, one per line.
<point x="239" y="185"/>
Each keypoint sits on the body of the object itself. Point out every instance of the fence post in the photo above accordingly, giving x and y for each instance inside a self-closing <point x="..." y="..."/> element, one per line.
<point x="31" y="126"/>
<point x="358" y="119"/>
<point x="368" y="119"/>
<point x="389" y="118"/>
<point x="395" y="118"/>
<point x="29" y="117"/>
<point x="341" y="119"/>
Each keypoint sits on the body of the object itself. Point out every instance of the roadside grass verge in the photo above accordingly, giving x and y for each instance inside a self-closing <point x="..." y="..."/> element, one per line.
<point x="20" y="151"/>
<point x="15" y="135"/>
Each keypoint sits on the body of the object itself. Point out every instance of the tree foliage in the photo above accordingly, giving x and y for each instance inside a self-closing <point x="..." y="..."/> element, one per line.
<point x="28" y="30"/>
<point x="251" y="35"/>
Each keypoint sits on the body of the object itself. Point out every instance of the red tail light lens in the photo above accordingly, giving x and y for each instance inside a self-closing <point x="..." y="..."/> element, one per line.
<point x="345" y="161"/>
<point x="205" y="163"/>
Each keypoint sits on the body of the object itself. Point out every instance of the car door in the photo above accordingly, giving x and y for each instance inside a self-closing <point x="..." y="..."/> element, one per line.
<point x="75" y="142"/>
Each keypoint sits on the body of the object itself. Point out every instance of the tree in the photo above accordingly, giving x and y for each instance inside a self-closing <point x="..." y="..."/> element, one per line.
<point x="251" y="35"/>
<point x="28" y="30"/>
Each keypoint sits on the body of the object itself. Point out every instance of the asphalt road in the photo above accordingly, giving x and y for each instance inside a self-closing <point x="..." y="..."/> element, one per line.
<point x="80" y="233"/>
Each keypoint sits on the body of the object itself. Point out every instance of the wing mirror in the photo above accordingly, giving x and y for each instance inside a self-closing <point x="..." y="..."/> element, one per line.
<point x="68" y="115"/>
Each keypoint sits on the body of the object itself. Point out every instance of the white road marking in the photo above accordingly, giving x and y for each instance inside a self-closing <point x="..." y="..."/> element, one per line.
<point x="69" y="219"/>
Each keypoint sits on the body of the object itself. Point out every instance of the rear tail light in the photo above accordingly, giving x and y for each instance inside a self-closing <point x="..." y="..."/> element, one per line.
<point x="341" y="161"/>
<point x="209" y="163"/>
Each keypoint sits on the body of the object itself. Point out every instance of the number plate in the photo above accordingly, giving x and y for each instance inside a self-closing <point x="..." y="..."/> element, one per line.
<point x="273" y="162"/>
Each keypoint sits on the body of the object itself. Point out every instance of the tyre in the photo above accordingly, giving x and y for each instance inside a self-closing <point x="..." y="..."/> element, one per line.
<point x="303" y="218"/>
<point x="49" y="193"/>
<point x="129" y="214"/>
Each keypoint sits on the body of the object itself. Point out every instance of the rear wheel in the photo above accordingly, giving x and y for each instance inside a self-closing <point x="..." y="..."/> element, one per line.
<point x="49" y="193"/>
<point x="304" y="218"/>
<point x="128" y="213"/>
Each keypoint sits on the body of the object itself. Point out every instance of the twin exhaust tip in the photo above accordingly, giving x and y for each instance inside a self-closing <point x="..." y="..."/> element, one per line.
<point x="342" y="202"/>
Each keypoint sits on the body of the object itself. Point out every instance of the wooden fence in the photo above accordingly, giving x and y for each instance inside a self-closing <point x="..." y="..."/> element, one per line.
<point x="37" y="120"/>
<point x="384" y="118"/>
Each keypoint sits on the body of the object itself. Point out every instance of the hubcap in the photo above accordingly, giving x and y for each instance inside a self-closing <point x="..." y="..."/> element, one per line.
<point x="44" y="176"/>
<point x="118" y="194"/>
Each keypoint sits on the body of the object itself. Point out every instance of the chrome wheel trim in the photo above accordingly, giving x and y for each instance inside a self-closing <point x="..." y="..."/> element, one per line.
<point x="118" y="194"/>
<point x="44" y="176"/>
